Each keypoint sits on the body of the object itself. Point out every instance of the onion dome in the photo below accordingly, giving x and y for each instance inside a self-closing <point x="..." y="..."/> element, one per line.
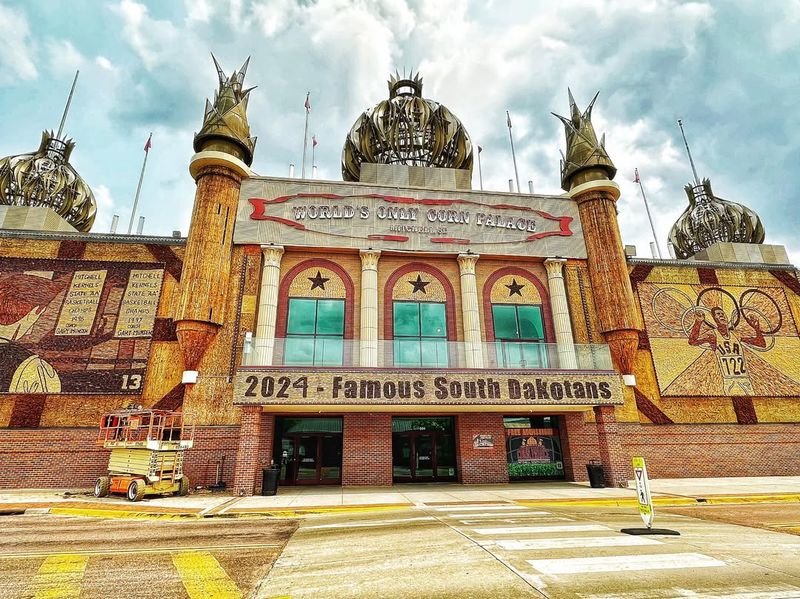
<point x="710" y="219"/>
<point x="45" y="178"/>
<point x="586" y="158"/>
<point x="406" y="129"/>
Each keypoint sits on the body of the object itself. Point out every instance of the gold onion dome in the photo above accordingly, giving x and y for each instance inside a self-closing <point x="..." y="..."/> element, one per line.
<point x="225" y="127"/>
<point x="710" y="219"/>
<point x="45" y="178"/>
<point x="406" y="129"/>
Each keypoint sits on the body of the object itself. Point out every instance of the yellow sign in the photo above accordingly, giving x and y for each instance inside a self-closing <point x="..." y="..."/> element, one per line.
<point x="294" y="386"/>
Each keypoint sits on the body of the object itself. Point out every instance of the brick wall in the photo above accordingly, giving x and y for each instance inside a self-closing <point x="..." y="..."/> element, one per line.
<point x="487" y="465"/>
<point x="578" y="445"/>
<point x="213" y="446"/>
<point x="367" y="450"/>
<point x="715" y="450"/>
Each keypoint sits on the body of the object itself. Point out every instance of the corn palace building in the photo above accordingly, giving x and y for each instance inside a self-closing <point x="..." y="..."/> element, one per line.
<point x="395" y="326"/>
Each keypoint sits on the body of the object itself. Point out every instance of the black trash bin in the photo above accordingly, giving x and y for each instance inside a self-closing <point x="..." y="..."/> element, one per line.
<point x="269" y="485"/>
<point x="595" y="470"/>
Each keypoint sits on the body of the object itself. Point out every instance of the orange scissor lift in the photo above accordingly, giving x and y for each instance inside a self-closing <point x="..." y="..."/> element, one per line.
<point x="147" y="449"/>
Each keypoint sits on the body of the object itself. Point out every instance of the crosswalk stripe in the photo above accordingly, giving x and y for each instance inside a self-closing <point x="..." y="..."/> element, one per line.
<point x="479" y="508"/>
<point x="373" y="523"/>
<point x="202" y="576"/>
<point x="621" y="563"/>
<point x="511" y="530"/>
<point x="60" y="576"/>
<point x="575" y="542"/>
<point x="498" y="515"/>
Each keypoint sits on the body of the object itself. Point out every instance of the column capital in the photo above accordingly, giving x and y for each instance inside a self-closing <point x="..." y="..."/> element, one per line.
<point x="590" y="190"/>
<point x="554" y="265"/>
<point x="369" y="258"/>
<point x="467" y="262"/>
<point x="272" y="254"/>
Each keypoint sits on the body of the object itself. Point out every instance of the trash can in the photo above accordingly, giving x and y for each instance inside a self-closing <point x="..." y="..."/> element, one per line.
<point x="595" y="470"/>
<point x="269" y="485"/>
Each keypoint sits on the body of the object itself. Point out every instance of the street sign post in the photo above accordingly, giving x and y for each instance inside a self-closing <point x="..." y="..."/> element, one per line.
<point x="643" y="492"/>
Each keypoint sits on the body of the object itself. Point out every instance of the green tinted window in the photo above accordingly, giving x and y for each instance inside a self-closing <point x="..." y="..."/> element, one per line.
<point x="314" y="332"/>
<point x="420" y="332"/>
<point x="505" y="321"/>
<point x="530" y="322"/>
<point x="519" y="332"/>
<point x="406" y="319"/>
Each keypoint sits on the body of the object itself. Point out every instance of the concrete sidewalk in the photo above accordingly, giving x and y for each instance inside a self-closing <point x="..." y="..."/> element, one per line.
<point x="303" y="500"/>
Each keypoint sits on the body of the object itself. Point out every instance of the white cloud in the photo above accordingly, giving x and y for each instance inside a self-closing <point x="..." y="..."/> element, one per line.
<point x="105" y="64"/>
<point x="17" y="48"/>
<point x="63" y="56"/>
<point x="105" y="209"/>
<point x="198" y="10"/>
<point x="154" y="41"/>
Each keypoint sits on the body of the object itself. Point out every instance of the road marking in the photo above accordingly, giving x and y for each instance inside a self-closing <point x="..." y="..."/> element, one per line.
<point x="575" y="542"/>
<point x="512" y="530"/>
<point x="517" y="520"/>
<point x="479" y="508"/>
<point x="499" y="515"/>
<point x="202" y="576"/>
<point x="624" y="563"/>
<point x="60" y="576"/>
<point x="375" y="523"/>
<point x="92" y="552"/>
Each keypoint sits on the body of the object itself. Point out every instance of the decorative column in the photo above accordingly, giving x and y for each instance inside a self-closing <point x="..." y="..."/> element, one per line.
<point x="369" y="308"/>
<point x="565" y="343"/>
<point x="586" y="175"/>
<point x="469" y="308"/>
<point x="615" y="461"/>
<point x="267" y="305"/>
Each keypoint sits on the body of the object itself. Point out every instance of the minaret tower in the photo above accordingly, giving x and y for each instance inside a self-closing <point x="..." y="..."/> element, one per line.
<point x="586" y="175"/>
<point x="224" y="154"/>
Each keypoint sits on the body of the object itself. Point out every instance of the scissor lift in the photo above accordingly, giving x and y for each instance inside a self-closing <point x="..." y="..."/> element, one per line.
<point x="147" y="449"/>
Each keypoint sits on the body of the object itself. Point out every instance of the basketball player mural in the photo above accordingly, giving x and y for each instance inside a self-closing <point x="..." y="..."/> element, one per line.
<point x="741" y="340"/>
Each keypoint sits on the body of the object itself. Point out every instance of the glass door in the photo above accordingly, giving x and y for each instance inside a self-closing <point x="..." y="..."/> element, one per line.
<point x="424" y="457"/>
<point x="401" y="457"/>
<point x="307" y="458"/>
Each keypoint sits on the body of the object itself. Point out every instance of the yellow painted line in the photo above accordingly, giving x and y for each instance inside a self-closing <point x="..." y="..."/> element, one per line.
<point x="305" y="511"/>
<point x="664" y="501"/>
<point x="60" y="576"/>
<point x="99" y="513"/>
<point x="203" y="577"/>
<point x="97" y="552"/>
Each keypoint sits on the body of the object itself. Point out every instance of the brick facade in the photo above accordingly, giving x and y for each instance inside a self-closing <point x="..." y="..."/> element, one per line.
<point x="483" y="465"/>
<point x="367" y="450"/>
<point x="616" y="467"/>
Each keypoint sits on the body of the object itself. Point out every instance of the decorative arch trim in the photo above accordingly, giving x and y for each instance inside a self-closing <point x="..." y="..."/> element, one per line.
<point x="286" y="281"/>
<point x="547" y="314"/>
<point x="449" y="306"/>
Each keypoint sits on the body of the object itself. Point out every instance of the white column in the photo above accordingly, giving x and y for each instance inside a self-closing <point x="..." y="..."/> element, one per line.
<point x="565" y="343"/>
<point x="469" y="309"/>
<point x="369" y="308"/>
<point x="267" y="305"/>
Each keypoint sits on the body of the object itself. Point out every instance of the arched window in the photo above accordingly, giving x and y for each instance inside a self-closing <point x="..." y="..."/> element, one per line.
<point x="518" y="319"/>
<point x="316" y="314"/>
<point x="419" y="305"/>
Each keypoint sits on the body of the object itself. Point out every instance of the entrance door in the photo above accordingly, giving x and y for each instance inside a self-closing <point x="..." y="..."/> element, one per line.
<point x="423" y="456"/>
<point x="312" y="459"/>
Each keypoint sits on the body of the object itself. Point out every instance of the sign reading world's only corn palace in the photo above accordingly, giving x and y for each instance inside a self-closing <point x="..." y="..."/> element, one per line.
<point x="344" y="215"/>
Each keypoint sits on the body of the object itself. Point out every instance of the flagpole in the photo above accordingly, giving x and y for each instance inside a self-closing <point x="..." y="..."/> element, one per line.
<point x="513" y="154"/>
<point x="480" y="172"/>
<point x="66" y="108"/>
<point x="638" y="180"/>
<point x="313" y="151"/>
<point x="139" y="186"/>
<point x="305" y="138"/>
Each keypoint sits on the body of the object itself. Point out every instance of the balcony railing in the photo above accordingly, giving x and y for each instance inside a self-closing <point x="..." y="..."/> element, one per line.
<point x="324" y="352"/>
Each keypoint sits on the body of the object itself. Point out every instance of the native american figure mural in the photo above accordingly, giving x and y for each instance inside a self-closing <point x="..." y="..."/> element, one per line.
<point x="721" y="340"/>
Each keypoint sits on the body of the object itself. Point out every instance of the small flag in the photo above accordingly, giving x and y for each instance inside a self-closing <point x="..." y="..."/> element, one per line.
<point x="508" y="117"/>
<point x="480" y="149"/>
<point x="307" y="103"/>
<point x="314" y="140"/>
<point x="149" y="143"/>
<point x="636" y="175"/>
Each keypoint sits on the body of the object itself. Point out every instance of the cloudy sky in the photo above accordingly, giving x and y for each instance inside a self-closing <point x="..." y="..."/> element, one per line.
<point x="728" y="69"/>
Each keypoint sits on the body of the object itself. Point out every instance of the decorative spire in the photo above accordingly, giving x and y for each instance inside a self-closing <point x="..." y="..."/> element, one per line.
<point x="586" y="158"/>
<point x="225" y="127"/>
